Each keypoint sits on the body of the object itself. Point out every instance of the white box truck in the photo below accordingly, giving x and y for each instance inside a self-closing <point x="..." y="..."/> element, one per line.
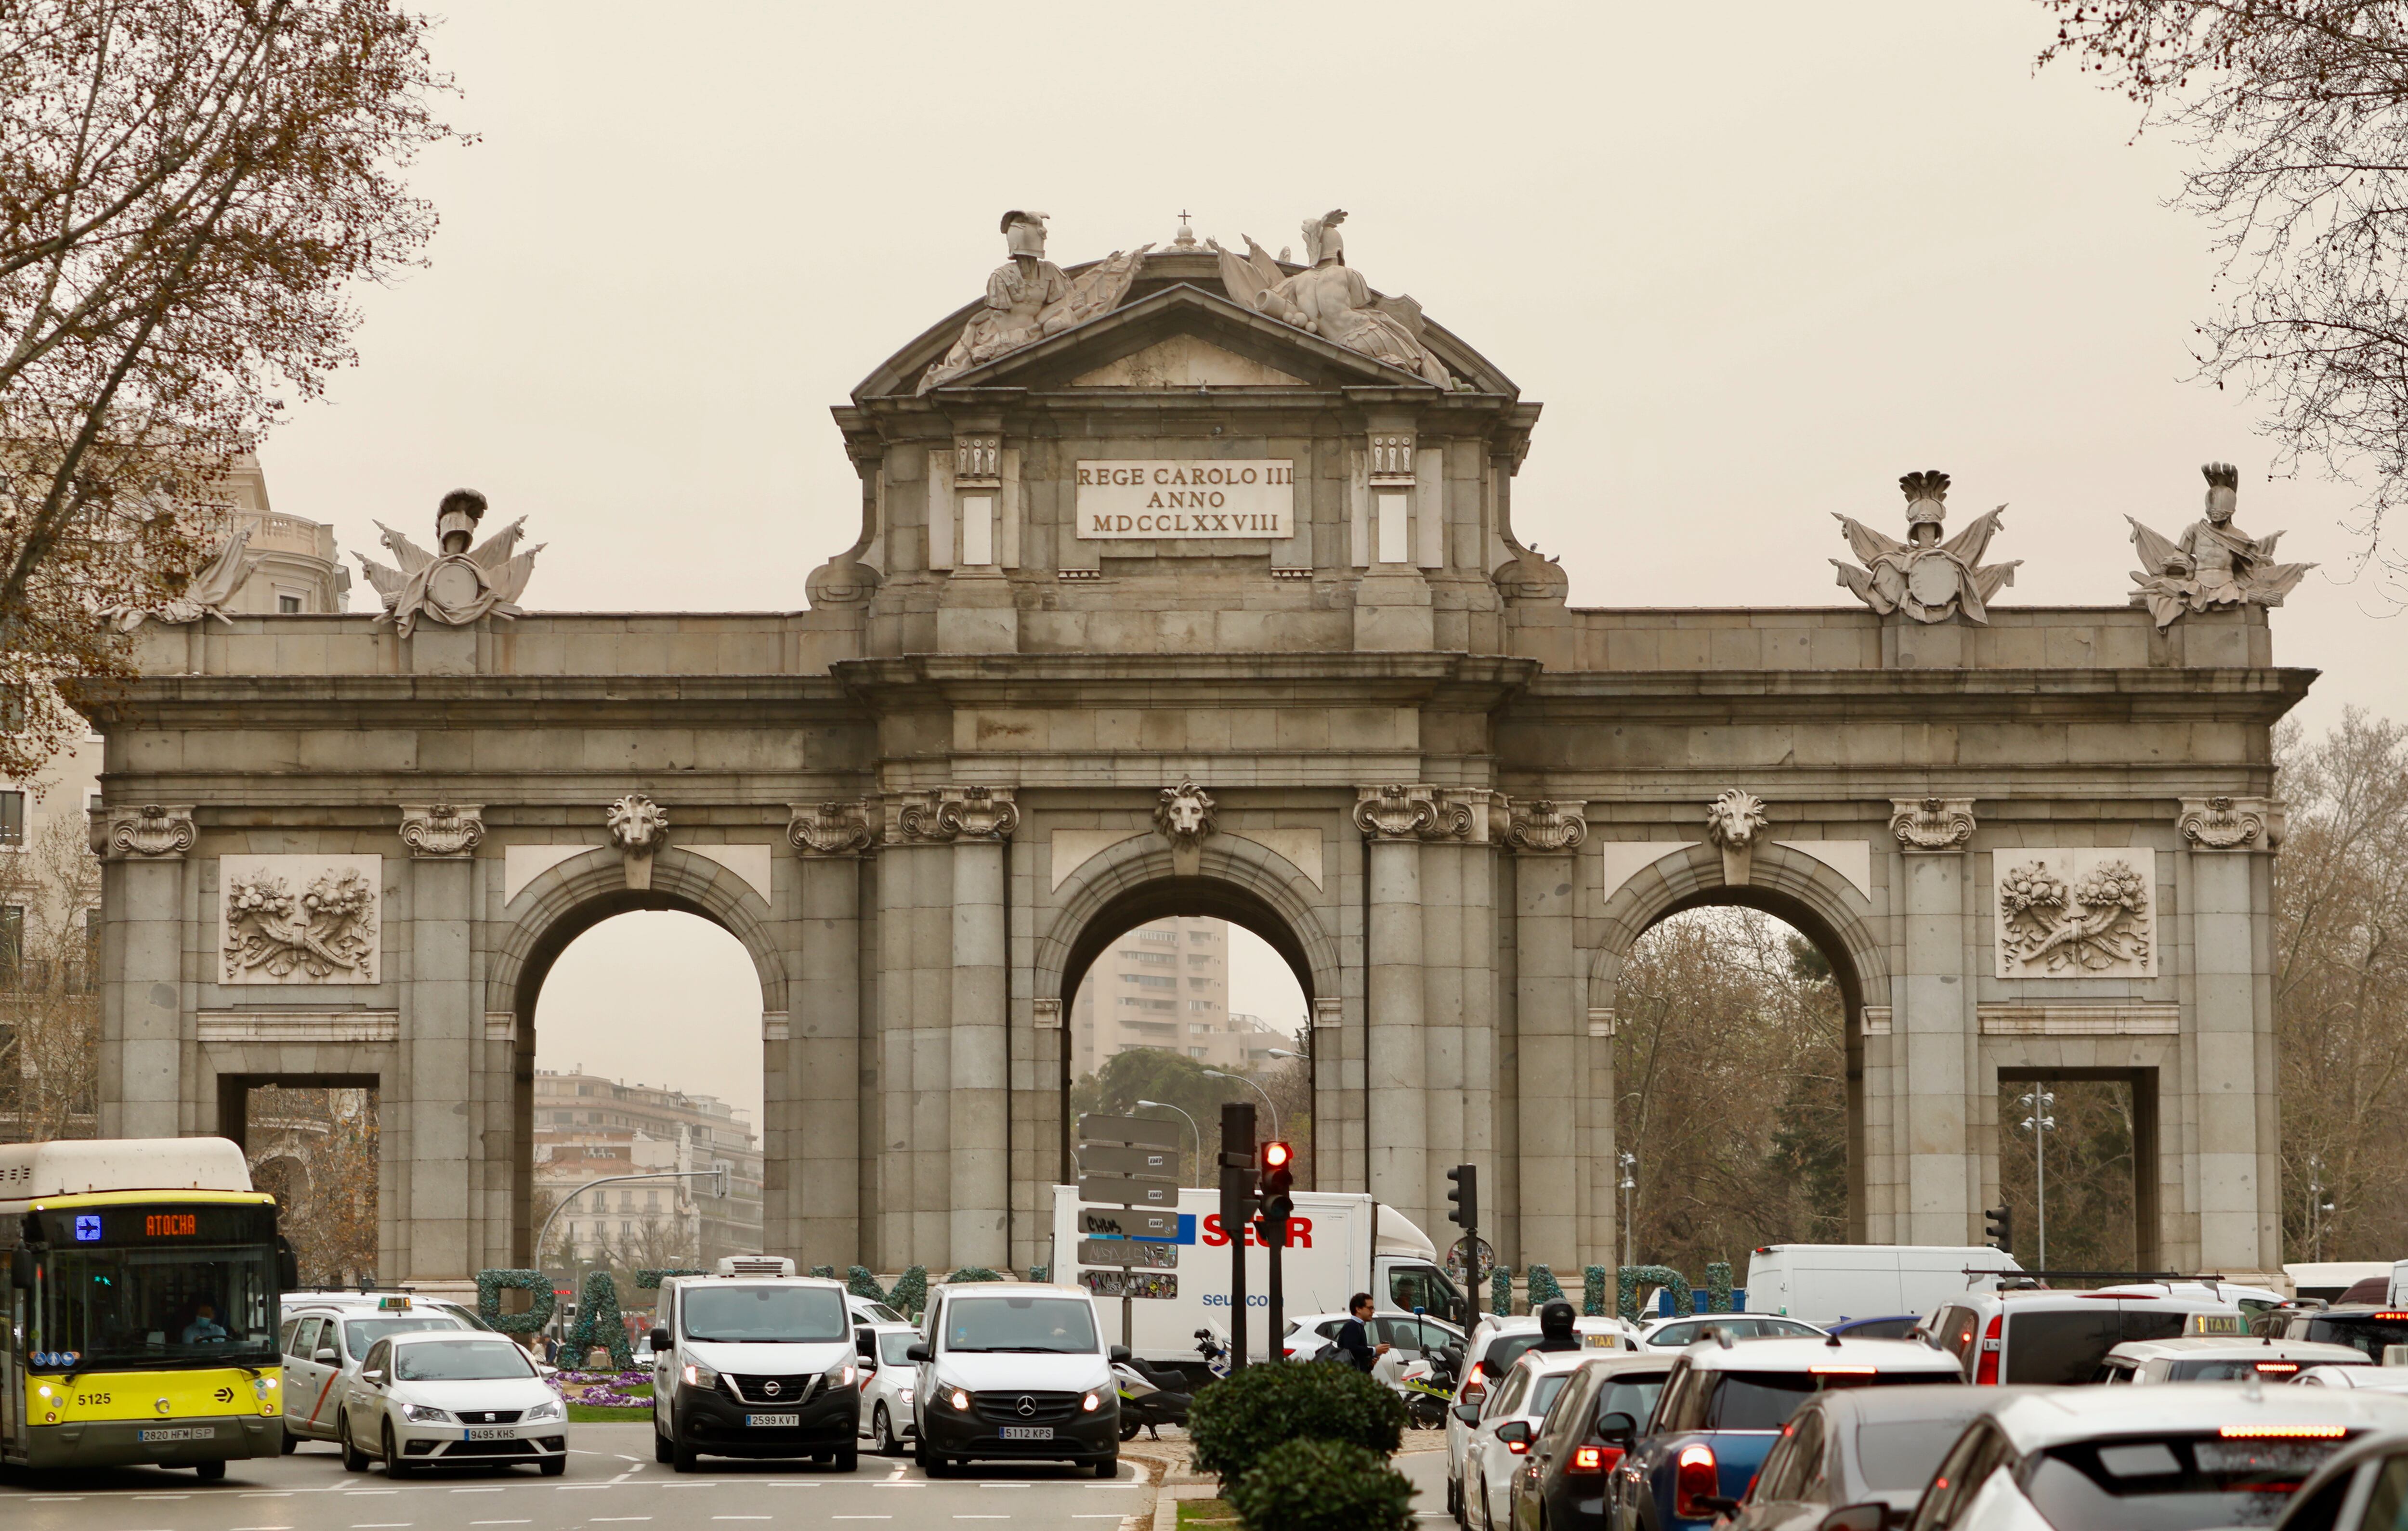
<point x="1828" y="1283"/>
<point x="1338" y="1244"/>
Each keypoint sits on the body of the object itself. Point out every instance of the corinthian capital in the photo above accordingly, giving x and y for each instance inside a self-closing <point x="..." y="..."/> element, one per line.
<point x="954" y="813"/>
<point x="442" y="831"/>
<point x="2232" y="823"/>
<point x="1545" y="827"/>
<point x="1932" y="823"/>
<point x="1396" y="812"/>
<point x="831" y="829"/>
<point x="151" y="832"/>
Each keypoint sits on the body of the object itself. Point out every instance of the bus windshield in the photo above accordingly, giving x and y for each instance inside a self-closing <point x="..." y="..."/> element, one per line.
<point x="154" y="1307"/>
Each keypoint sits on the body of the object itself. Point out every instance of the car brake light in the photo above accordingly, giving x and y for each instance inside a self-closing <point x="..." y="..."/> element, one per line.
<point x="2284" y="1432"/>
<point x="2395" y="1318"/>
<point x="1695" y="1478"/>
<point x="2278" y="1366"/>
<point x="1986" y="1371"/>
<point x="1517" y="1447"/>
<point x="1586" y="1459"/>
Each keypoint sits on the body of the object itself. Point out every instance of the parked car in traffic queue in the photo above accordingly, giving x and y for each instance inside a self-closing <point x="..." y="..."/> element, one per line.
<point x="2051" y="1337"/>
<point x="2369" y="1327"/>
<point x="1014" y="1371"/>
<point x="1498" y="1430"/>
<point x="2221" y="1358"/>
<point x="1858" y="1459"/>
<point x="324" y="1346"/>
<point x="887" y="1381"/>
<point x="1673" y="1334"/>
<point x="2363" y="1487"/>
<point x="1565" y="1480"/>
<point x="1722" y="1410"/>
<point x="2160" y="1459"/>
<point x="1495" y="1344"/>
<point x="445" y="1398"/>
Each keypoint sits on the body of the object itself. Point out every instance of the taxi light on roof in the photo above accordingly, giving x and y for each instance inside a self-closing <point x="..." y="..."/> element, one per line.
<point x="2284" y="1432"/>
<point x="1840" y="1371"/>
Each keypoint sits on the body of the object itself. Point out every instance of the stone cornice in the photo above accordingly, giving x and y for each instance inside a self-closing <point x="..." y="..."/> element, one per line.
<point x="1838" y="696"/>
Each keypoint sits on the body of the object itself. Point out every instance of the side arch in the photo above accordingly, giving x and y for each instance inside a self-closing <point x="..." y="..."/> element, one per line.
<point x="1791" y="886"/>
<point x="571" y="898"/>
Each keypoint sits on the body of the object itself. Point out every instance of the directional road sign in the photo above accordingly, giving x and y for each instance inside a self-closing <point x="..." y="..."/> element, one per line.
<point x="1113" y="1222"/>
<point x="1113" y="1190"/>
<point x="1144" y="1131"/>
<point x="1127" y="1252"/>
<point x="1142" y="1163"/>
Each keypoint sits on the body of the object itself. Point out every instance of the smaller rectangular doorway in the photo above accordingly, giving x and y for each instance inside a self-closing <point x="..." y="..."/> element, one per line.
<point x="2088" y="1137"/>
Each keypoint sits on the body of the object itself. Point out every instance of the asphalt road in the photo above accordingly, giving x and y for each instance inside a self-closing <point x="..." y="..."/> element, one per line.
<point x="612" y="1484"/>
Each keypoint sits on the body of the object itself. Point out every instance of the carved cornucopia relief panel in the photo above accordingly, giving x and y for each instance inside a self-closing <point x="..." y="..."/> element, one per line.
<point x="2076" y="913"/>
<point x="306" y="919"/>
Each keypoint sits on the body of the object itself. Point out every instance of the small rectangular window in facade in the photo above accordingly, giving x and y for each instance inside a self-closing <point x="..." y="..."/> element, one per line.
<point x="12" y="944"/>
<point x="12" y="818"/>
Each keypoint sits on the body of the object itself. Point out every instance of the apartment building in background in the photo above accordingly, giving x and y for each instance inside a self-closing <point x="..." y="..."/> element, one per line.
<point x="1166" y="986"/>
<point x="588" y="1127"/>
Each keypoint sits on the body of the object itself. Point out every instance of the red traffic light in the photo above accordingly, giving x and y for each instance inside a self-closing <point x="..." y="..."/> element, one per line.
<point x="1277" y="1156"/>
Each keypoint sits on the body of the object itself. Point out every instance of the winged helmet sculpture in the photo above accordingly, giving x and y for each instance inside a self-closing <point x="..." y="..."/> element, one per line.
<point x="2214" y="564"/>
<point x="459" y="584"/>
<point x="1928" y="579"/>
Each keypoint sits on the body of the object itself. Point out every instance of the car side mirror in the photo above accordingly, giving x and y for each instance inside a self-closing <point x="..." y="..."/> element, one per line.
<point x="1515" y="1432"/>
<point x="327" y="1357"/>
<point x="918" y="1352"/>
<point x="374" y="1375"/>
<point x="20" y="1268"/>
<point x="1119" y="1354"/>
<point x="1870" y="1516"/>
<point x="1617" y="1429"/>
<point x="1468" y="1413"/>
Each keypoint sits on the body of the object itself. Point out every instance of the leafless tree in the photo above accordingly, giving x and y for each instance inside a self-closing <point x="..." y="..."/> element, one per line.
<point x="189" y="188"/>
<point x="49" y="1011"/>
<point x="2298" y="113"/>
<point x="315" y="1147"/>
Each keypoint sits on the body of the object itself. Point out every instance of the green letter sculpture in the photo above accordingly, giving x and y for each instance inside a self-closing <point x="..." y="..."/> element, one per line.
<point x="490" y="1285"/>
<point x="598" y="1322"/>
<point x="1684" y="1301"/>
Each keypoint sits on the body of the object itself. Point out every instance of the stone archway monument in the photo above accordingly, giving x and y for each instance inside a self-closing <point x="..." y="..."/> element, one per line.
<point x="1188" y="579"/>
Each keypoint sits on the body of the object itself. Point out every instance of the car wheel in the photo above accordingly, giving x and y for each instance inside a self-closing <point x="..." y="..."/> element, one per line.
<point x="934" y="1465"/>
<point x="1475" y="1494"/>
<point x="1454" y="1499"/>
<point x="553" y="1467"/>
<point x="881" y="1433"/>
<point x="848" y="1459"/>
<point x="661" y="1449"/>
<point x="394" y="1466"/>
<point x="1109" y="1466"/>
<point x="354" y="1460"/>
<point x="291" y="1443"/>
<point x="682" y="1457"/>
<point x="211" y="1472"/>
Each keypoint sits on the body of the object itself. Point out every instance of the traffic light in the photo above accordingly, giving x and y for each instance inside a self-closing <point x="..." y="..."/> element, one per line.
<point x="1272" y="1186"/>
<point x="2000" y="1229"/>
<point x="1465" y="1197"/>
<point x="1237" y="1169"/>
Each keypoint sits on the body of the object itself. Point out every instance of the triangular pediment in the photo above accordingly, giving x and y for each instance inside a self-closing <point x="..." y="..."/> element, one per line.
<point x="1187" y="361"/>
<point x="1193" y="324"/>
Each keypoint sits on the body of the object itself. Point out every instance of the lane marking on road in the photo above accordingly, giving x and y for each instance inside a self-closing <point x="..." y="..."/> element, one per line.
<point x="501" y="1523"/>
<point x="54" y="1499"/>
<point x="861" y="1517"/>
<point x="262" y="1528"/>
<point x="740" y="1517"/>
<point x="267" y="1494"/>
<point x="1007" y="1485"/>
<point x="383" y="1526"/>
<point x="600" y="1519"/>
<point x="476" y="1490"/>
<point x="355" y="1492"/>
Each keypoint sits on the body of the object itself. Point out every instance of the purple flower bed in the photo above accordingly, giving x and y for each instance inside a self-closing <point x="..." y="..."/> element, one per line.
<point x="603" y="1399"/>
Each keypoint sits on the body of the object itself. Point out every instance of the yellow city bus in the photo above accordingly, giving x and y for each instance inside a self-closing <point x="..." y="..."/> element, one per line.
<point x="143" y="1283"/>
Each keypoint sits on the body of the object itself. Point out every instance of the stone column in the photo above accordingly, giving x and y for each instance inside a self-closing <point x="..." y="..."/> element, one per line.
<point x="1933" y="1024"/>
<point x="443" y="1027"/>
<point x="1393" y="820"/>
<point x="1549" y="1030"/>
<point x="914" y="1000"/>
<point x="823" y="1040"/>
<point x="142" y="991"/>
<point x="1458" y="1013"/>
<point x="2228" y="844"/>
<point x="981" y="819"/>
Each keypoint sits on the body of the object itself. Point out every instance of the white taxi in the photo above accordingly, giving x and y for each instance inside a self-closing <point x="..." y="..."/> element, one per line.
<point x="447" y="1400"/>
<point x="1501" y="1427"/>
<point x="2222" y="1358"/>
<point x="2170" y="1459"/>
<point x="325" y="1342"/>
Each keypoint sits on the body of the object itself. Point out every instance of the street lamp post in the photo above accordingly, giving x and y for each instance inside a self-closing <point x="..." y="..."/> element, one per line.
<point x="1216" y="1074"/>
<point x="2038" y="1102"/>
<point x="1163" y="1105"/>
<point x="1629" y="1184"/>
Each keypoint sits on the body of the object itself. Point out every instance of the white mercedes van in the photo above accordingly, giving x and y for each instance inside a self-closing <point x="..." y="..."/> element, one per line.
<point x="1013" y="1371"/>
<point x="754" y="1367"/>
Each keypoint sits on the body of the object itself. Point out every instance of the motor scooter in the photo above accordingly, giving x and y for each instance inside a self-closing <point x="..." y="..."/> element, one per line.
<point x="1149" y="1399"/>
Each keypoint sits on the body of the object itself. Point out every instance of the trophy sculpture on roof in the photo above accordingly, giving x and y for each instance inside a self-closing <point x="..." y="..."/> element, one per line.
<point x="459" y="584"/>
<point x="2214" y="564"/>
<point x="1928" y="579"/>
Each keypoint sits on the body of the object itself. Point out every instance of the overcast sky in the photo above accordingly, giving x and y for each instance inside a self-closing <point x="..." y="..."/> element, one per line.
<point x="1756" y="260"/>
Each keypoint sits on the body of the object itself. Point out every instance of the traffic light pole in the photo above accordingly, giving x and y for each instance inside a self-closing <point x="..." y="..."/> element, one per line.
<point x="1275" y="1206"/>
<point x="1466" y="1215"/>
<point x="1236" y="1195"/>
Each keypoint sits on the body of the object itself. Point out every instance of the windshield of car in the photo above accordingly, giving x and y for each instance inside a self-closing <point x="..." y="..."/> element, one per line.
<point x="1888" y="1328"/>
<point x="361" y="1333"/>
<point x="766" y="1315"/>
<point x="1764" y="1400"/>
<point x="1631" y="1395"/>
<point x="893" y="1347"/>
<point x="2065" y="1348"/>
<point x="879" y="1313"/>
<point x="2232" y="1370"/>
<point x="1897" y="1454"/>
<point x="1543" y="1395"/>
<point x="1058" y="1325"/>
<point x="107" y="1307"/>
<point x="2169" y="1482"/>
<point x="460" y="1361"/>
<point x="2367" y="1332"/>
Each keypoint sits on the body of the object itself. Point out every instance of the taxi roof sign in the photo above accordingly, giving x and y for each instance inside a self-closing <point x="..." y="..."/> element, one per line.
<point x="2211" y="1324"/>
<point x="393" y="1304"/>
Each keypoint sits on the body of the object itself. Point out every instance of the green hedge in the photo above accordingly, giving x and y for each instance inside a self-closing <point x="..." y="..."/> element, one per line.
<point x="1321" y="1485"/>
<point x="1234" y="1424"/>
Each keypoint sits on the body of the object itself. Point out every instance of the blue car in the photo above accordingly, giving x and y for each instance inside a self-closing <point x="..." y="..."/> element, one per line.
<point x="1721" y="1412"/>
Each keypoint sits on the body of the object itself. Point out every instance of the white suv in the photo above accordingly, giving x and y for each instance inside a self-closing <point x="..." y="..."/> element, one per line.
<point x="2044" y="1336"/>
